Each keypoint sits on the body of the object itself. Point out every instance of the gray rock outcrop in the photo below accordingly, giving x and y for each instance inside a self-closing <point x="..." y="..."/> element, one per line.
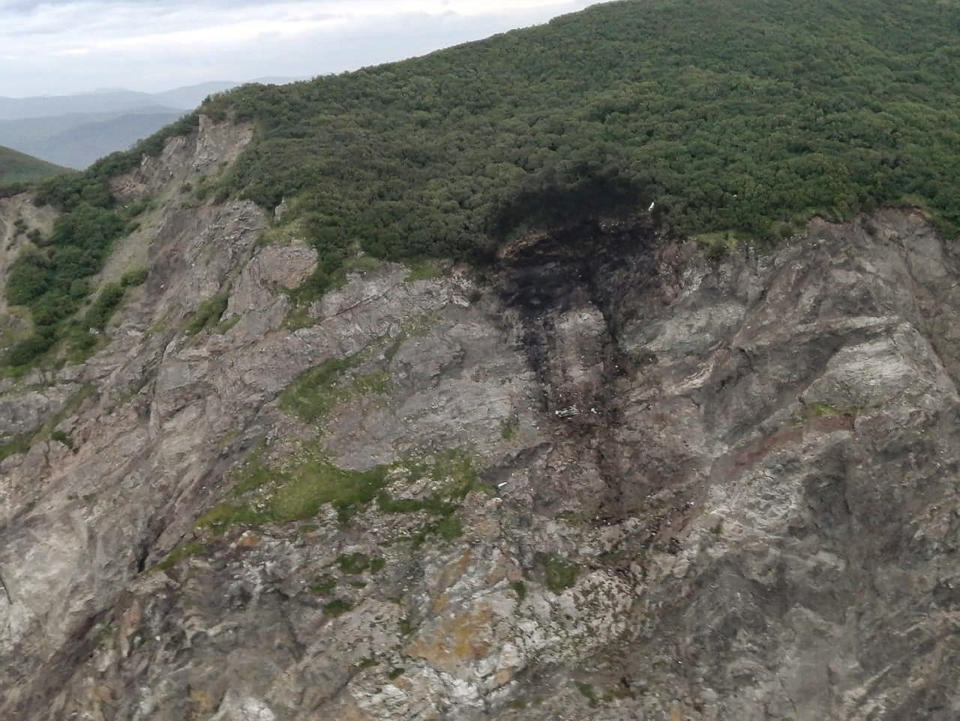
<point x="611" y="480"/>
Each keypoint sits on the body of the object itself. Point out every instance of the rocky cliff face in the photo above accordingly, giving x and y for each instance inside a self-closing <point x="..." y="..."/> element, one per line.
<point x="606" y="480"/>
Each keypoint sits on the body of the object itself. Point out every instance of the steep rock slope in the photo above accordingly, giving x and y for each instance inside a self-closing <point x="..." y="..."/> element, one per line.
<point x="607" y="480"/>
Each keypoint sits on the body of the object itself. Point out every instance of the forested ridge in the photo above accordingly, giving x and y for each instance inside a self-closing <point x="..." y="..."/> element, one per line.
<point x="16" y="167"/>
<point x="740" y="117"/>
<point x="734" y="115"/>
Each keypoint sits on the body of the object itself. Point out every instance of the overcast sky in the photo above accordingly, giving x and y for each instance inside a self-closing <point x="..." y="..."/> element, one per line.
<point x="68" y="46"/>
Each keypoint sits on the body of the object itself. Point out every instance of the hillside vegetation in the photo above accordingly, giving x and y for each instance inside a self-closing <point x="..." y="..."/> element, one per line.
<point x="733" y="115"/>
<point x="741" y="117"/>
<point x="17" y="167"/>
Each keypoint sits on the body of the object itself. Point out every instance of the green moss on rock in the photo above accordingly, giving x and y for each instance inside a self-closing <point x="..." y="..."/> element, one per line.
<point x="559" y="573"/>
<point x="187" y="550"/>
<point x="336" y="607"/>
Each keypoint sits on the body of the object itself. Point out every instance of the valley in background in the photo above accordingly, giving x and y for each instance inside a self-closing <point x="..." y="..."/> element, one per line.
<point x="75" y="130"/>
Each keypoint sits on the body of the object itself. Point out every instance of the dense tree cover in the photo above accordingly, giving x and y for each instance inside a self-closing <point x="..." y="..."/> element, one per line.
<point x="733" y="115"/>
<point x="52" y="280"/>
<point x="743" y="116"/>
<point x="18" y="168"/>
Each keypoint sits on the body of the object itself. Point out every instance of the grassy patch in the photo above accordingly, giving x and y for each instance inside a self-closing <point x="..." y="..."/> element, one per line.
<point x="296" y="492"/>
<point x="225" y="325"/>
<point x="441" y="505"/>
<point x="253" y="474"/>
<point x="135" y="277"/>
<point x="18" y="444"/>
<point x="317" y="482"/>
<point x="187" y="550"/>
<point x="376" y="383"/>
<point x="586" y="690"/>
<point x="208" y="313"/>
<point x="280" y="233"/>
<point x="448" y="528"/>
<point x="509" y="428"/>
<point x="452" y="474"/>
<point x="228" y="439"/>
<point x="811" y="411"/>
<point x="335" y="261"/>
<point x="298" y="317"/>
<point x="353" y="563"/>
<point x="336" y="607"/>
<point x="356" y="563"/>
<point x="716" y="246"/>
<point x="359" y="263"/>
<point x="559" y="573"/>
<point x="223" y="516"/>
<point x="519" y="588"/>
<point x="427" y="269"/>
<point x="323" y="585"/>
<point x="317" y="390"/>
<point x="99" y="314"/>
<point x="63" y="438"/>
<point x="103" y="635"/>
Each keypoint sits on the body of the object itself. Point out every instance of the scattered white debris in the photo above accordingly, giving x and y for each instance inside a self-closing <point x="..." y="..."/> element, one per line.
<point x="567" y="412"/>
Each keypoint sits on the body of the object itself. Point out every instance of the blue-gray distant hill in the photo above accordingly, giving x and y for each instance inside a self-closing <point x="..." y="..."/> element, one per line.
<point x="20" y="168"/>
<point x="75" y="130"/>
<point x="77" y="140"/>
<point x="108" y="101"/>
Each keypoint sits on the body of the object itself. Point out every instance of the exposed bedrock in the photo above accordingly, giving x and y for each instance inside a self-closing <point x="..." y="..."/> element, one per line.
<point x="612" y="480"/>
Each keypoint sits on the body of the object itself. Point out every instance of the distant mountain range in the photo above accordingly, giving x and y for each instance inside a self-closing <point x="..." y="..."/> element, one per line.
<point x="75" y="130"/>
<point x="16" y="167"/>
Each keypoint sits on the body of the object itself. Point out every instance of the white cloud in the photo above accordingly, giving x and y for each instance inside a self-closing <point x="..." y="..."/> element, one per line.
<point x="59" y="47"/>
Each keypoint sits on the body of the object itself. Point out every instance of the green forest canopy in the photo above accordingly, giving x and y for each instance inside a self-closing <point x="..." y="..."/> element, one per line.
<point x="742" y="116"/>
